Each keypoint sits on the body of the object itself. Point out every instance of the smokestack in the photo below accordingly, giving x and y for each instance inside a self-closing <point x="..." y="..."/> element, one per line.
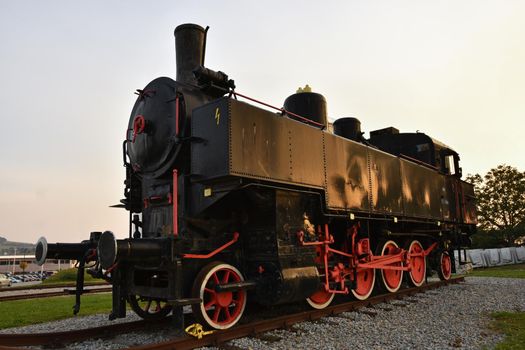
<point x="190" y="48"/>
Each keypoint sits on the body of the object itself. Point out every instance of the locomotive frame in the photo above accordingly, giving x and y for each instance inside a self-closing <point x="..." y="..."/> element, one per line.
<point x="230" y="202"/>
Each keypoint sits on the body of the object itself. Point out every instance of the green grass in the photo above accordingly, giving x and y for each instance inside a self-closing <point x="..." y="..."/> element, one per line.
<point x="69" y="276"/>
<point x="510" y="271"/>
<point x="512" y="324"/>
<point x="30" y="311"/>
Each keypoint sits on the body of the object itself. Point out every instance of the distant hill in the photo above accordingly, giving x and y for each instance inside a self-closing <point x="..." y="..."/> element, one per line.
<point x="8" y="247"/>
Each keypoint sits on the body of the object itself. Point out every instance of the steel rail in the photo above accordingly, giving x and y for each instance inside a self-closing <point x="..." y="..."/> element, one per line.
<point x="51" y="294"/>
<point x="215" y="338"/>
<point x="48" y="286"/>
<point x="59" y="338"/>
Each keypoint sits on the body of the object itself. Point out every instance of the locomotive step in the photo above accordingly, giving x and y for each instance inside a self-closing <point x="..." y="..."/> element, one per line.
<point x="184" y="301"/>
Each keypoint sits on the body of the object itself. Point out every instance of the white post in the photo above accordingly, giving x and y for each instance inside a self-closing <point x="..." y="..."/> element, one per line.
<point x="14" y="260"/>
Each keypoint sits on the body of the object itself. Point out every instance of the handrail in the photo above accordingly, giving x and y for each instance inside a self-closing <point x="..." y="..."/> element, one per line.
<point x="216" y="251"/>
<point x="282" y="110"/>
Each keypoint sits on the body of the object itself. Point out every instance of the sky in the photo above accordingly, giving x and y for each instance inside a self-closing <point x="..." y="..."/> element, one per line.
<point x="68" y="69"/>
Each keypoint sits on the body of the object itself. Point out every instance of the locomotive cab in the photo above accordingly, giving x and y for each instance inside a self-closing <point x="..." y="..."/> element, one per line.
<point x="419" y="147"/>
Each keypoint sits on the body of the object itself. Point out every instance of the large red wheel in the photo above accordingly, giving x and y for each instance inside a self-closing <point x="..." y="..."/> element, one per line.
<point x="219" y="310"/>
<point x="365" y="283"/>
<point x="445" y="266"/>
<point x="320" y="299"/>
<point x="390" y="279"/>
<point x="418" y="264"/>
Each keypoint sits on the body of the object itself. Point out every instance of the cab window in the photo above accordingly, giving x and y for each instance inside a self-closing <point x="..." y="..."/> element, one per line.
<point x="450" y="166"/>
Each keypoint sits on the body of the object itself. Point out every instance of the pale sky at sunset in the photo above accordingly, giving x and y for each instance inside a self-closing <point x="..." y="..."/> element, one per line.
<point x="68" y="69"/>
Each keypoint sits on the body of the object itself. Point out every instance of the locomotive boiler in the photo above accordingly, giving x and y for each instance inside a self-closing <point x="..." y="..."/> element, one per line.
<point x="233" y="202"/>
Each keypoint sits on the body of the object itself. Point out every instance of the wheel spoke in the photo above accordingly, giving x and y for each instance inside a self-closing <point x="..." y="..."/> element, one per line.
<point x="209" y="304"/>
<point x="148" y="305"/>
<point x="216" y="313"/>
<point x="228" y="315"/>
<point x="216" y="278"/>
<point x="226" y="276"/>
<point x="211" y="291"/>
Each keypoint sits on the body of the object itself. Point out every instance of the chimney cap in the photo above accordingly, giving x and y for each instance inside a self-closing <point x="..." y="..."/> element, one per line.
<point x="188" y="26"/>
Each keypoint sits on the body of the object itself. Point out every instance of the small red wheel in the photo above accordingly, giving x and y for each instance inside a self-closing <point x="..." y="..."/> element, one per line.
<point x="418" y="265"/>
<point x="219" y="310"/>
<point x="366" y="279"/>
<point x="445" y="266"/>
<point x="320" y="299"/>
<point x="391" y="279"/>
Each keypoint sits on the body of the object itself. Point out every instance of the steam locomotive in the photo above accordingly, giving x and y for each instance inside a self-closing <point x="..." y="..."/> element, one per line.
<point x="229" y="201"/>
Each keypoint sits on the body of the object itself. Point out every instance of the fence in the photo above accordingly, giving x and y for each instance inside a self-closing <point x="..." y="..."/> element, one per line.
<point x="494" y="257"/>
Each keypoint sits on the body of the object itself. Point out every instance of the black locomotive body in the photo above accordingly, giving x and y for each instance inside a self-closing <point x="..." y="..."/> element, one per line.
<point x="230" y="202"/>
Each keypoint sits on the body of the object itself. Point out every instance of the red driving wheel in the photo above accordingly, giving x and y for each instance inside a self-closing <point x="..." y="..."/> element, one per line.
<point x="445" y="266"/>
<point x="320" y="298"/>
<point x="418" y="265"/>
<point x="219" y="310"/>
<point x="390" y="279"/>
<point x="365" y="282"/>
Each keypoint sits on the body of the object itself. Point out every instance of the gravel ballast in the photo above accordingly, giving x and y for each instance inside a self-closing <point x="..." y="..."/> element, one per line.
<point x="451" y="317"/>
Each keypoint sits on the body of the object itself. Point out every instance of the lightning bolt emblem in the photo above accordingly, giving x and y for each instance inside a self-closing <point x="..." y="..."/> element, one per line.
<point x="217" y="115"/>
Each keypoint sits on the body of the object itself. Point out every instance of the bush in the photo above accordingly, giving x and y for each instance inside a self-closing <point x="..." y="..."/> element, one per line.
<point x="488" y="239"/>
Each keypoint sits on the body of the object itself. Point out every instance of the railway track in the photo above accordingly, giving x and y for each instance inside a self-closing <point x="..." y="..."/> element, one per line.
<point x="49" y="286"/>
<point x="12" y="341"/>
<point x="52" y="294"/>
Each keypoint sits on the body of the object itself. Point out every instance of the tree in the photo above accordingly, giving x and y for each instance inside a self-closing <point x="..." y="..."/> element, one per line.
<point x="23" y="266"/>
<point x="501" y="201"/>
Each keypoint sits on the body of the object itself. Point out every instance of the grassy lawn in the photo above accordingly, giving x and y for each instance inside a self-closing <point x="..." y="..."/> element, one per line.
<point x="25" y="312"/>
<point x="511" y="271"/>
<point x="512" y="324"/>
